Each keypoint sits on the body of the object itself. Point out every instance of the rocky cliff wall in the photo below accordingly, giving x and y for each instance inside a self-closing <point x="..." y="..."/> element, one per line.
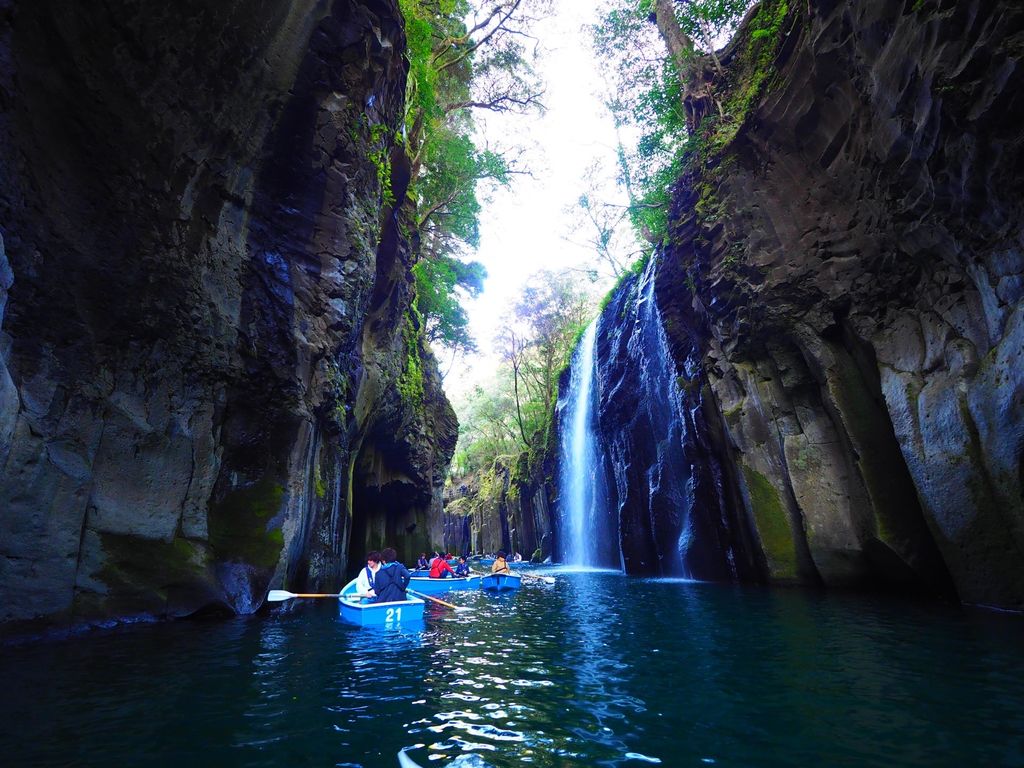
<point x="506" y="508"/>
<point x="842" y="297"/>
<point x="207" y="350"/>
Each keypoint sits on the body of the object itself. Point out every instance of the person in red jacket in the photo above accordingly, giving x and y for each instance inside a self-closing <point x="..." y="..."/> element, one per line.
<point x="439" y="569"/>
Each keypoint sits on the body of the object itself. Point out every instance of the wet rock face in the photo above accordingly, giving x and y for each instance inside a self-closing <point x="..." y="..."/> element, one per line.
<point x="191" y="249"/>
<point x="513" y="513"/>
<point x="666" y="507"/>
<point x="851" y="269"/>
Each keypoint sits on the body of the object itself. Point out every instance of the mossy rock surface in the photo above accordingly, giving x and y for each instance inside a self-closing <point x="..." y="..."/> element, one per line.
<point x="239" y="525"/>
<point x="141" y="574"/>
<point x="773" y="526"/>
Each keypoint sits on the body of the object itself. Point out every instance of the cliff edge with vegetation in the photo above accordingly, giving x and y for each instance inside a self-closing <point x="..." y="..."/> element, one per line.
<point x="841" y="289"/>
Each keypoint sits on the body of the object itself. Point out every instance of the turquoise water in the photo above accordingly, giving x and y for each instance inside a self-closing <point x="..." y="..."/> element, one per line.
<point x="599" y="670"/>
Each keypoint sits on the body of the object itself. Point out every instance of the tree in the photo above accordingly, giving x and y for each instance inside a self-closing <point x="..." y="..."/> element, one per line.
<point x="439" y="283"/>
<point x="457" y="67"/>
<point x="658" y="58"/>
<point x="537" y="342"/>
<point x="513" y="413"/>
<point x="603" y="226"/>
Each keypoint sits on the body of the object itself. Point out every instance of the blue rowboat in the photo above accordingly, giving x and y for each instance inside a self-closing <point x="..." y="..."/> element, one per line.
<point x="500" y="582"/>
<point x="366" y="613"/>
<point x="429" y="586"/>
<point x="488" y="561"/>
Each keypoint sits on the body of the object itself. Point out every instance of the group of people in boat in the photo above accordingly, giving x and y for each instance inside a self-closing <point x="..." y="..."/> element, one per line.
<point x="385" y="580"/>
<point x="439" y="566"/>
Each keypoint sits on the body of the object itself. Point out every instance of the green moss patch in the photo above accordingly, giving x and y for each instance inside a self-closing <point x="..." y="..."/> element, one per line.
<point x="410" y="383"/>
<point x="772" y="523"/>
<point x="238" y="524"/>
<point x="137" y="567"/>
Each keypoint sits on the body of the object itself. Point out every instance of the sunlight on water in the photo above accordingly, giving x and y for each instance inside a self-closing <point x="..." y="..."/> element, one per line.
<point x="599" y="670"/>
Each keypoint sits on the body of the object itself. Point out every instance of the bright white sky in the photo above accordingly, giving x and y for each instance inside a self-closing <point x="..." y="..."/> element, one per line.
<point x="523" y="230"/>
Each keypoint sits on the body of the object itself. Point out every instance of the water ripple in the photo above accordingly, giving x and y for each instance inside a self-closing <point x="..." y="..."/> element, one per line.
<point x="681" y="674"/>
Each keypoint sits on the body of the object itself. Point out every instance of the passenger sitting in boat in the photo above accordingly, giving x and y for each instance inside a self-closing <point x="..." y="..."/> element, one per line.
<point x="440" y="569"/>
<point x="517" y="558"/>
<point x="392" y="578"/>
<point x="364" y="582"/>
<point x="422" y="564"/>
<point x="462" y="569"/>
<point x="500" y="564"/>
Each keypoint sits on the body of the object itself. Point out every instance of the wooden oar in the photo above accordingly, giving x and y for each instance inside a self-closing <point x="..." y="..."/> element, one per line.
<point x="276" y="595"/>
<point x="439" y="602"/>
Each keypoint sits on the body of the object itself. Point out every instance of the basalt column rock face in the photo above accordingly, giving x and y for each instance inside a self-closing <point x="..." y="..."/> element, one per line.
<point x="850" y="269"/>
<point x="193" y="240"/>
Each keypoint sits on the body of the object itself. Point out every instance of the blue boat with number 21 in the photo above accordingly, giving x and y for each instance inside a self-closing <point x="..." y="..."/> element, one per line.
<point x="366" y="613"/>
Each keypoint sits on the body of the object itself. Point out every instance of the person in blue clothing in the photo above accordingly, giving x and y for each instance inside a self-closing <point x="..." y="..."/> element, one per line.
<point x="462" y="568"/>
<point x="392" y="579"/>
<point x="422" y="564"/>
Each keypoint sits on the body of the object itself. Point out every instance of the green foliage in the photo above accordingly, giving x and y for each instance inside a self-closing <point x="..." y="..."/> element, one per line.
<point x="380" y="156"/>
<point x="439" y="283"/>
<point x="707" y="22"/>
<point x="462" y="57"/>
<point x="645" y="96"/>
<point x="410" y="383"/>
<point x="753" y="69"/>
<point x="513" y="413"/>
<point x="650" y="92"/>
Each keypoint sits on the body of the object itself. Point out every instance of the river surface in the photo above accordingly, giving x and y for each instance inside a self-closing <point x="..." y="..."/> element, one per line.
<point x="598" y="670"/>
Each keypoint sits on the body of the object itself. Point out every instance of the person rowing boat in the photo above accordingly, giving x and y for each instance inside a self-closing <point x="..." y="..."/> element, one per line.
<point x="500" y="564"/>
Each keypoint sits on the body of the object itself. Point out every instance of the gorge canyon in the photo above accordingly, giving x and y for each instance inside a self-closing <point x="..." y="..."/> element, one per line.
<point x="213" y="380"/>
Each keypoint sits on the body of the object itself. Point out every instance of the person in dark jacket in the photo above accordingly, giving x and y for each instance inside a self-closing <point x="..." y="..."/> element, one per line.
<point x="392" y="579"/>
<point x="422" y="564"/>
<point x="462" y="569"/>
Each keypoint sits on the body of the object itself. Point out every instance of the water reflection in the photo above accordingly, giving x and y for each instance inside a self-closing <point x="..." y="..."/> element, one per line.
<point x="599" y="670"/>
<point x="597" y="658"/>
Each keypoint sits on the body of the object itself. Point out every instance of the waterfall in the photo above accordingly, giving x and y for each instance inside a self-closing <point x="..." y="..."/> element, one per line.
<point x="636" y="487"/>
<point x="580" y="457"/>
<point x="670" y="479"/>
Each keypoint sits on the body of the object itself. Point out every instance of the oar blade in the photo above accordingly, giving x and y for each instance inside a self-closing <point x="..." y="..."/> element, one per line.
<point x="404" y="761"/>
<point x="277" y="595"/>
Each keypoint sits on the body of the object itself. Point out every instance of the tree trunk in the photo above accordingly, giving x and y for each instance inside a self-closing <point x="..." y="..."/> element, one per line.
<point x="679" y="45"/>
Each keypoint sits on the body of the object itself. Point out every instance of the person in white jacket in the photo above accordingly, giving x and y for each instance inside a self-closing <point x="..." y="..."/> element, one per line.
<point x="364" y="581"/>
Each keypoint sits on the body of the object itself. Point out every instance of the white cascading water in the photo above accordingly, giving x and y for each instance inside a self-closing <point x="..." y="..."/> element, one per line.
<point x="579" y="455"/>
